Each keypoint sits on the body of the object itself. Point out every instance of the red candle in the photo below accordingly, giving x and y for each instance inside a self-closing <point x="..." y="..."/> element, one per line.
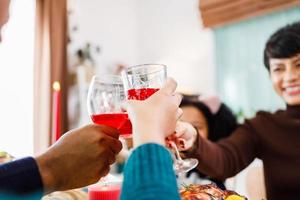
<point x="56" y="111"/>
<point x="104" y="192"/>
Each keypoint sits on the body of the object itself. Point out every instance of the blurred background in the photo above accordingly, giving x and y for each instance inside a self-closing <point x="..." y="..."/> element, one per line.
<point x="209" y="46"/>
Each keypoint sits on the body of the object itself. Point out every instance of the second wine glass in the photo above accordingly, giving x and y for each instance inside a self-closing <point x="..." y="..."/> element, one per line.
<point x="105" y="98"/>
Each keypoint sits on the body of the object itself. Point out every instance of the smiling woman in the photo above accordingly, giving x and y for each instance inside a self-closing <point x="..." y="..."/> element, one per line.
<point x="285" y="75"/>
<point x="272" y="137"/>
<point x="284" y="63"/>
<point x="16" y="75"/>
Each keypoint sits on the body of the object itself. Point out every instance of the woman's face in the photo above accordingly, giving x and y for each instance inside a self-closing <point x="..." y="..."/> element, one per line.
<point x="285" y="76"/>
<point x="195" y="117"/>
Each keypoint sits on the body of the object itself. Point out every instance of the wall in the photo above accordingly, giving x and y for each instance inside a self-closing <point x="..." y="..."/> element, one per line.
<point x="142" y="31"/>
<point x="110" y="24"/>
<point x="16" y="80"/>
<point x="170" y="32"/>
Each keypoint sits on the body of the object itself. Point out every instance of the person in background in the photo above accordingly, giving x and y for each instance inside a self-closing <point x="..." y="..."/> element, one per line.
<point x="213" y="120"/>
<point x="81" y="157"/>
<point x="272" y="137"/>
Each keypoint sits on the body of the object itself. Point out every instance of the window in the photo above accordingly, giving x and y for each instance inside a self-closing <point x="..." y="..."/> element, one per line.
<point x="16" y="80"/>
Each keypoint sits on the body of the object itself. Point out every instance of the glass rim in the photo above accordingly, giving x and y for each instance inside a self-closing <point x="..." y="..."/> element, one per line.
<point x="130" y="69"/>
<point x="107" y="78"/>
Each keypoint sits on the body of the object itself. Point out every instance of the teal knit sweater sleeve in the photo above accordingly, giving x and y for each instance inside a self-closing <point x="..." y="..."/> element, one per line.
<point x="149" y="175"/>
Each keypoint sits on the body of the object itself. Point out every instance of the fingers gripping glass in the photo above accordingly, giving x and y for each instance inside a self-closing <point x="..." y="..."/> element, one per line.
<point x="140" y="82"/>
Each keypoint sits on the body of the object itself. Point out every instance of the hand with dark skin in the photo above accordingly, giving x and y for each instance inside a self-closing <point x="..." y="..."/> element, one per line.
<point x="80" y="157"/>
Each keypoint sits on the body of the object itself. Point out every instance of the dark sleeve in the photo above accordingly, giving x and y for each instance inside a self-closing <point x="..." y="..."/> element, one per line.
<point x="229" y="156"/>
<point x="20" y="177"/>
<point x="149" y="175"/>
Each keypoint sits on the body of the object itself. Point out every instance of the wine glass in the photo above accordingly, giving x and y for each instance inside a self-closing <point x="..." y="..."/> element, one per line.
<point x="141" y="82"/>
<point x="182" y="165"/>
<point x="104" y="102"/>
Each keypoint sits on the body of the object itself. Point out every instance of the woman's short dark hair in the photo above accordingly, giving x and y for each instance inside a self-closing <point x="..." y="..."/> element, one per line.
<point x="284" y="43"/>
<point x="220" y="124"/>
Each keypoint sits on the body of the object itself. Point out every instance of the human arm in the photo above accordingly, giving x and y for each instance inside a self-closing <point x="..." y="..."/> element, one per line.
<point x="225" y="158"/>
<point x="20" y="176"/>
<point x="81" y="157"/>
<point x="148" y="172"/>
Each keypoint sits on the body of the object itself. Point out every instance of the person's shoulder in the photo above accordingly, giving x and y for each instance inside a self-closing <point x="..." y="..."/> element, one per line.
<point x="260" y="116"/>
<point x="269" y="114"/>
<point x="254" y="127"/>
<point x="263" y="118"/>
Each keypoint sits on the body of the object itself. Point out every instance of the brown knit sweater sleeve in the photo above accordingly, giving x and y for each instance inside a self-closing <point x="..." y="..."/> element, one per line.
<point x="228" y="156"/>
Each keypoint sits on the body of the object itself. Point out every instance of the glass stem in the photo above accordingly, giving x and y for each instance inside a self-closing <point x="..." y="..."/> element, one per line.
<point x="176" y="151"/>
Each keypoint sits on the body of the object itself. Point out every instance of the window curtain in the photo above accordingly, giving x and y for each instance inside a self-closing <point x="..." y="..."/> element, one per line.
<point x="50" y="66"/>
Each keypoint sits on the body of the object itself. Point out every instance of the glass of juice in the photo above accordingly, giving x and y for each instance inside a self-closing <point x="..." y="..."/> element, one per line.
<point x="105" y="97"/>
<point x="141" y="81"/>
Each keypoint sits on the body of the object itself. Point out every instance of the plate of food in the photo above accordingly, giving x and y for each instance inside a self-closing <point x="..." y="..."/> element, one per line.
<point x="208" y="192"/>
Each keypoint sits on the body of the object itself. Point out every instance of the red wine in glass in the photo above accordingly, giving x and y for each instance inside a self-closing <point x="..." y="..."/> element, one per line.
<point x="141" y="81"/>
<point x="119" y="121"/>
<point x="141" y="94"/>
<point x="137" y="94"/>
<point x="105" y="97"/>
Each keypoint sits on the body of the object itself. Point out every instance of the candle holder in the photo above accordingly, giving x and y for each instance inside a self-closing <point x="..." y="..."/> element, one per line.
<point x="104" y="190"/>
